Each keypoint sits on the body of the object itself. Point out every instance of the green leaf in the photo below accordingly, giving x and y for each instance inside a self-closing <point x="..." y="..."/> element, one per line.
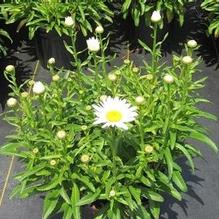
<point x="75" y="197"/>
<point x="154" y="209"/>
<point x="89" y="198"/>
<point x="51" y="185"/>
<point x="65" y="195"/>
<point x="187" y="154"/>
<point x="179" y="181"/>
<point x="136" y="193"/>
<point x="28" y="173"/>
<point x="85" y="180"/>
<point x="169" y="161"/>
<point x="201" y="137"/>
<point x="50" y="203"/>
<point x="175" y="194"/>
<point x="152" y="195"/>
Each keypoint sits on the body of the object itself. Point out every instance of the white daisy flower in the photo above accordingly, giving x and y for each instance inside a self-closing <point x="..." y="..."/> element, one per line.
<point x="114" y="112"/>
<point x="93" y="44"/>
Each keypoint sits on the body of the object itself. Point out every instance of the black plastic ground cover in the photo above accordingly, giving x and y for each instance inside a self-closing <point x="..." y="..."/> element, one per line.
<point x="201" y="201"/>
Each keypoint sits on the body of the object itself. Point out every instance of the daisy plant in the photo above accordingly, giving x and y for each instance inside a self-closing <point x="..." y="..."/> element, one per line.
<point x="107" y="138"/>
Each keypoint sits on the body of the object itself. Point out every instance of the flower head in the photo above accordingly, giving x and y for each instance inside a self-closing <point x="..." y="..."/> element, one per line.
<point x="38" y="87"/>
<point x="114" y="112"/>
<point x="61" y="134"/>
<point x="53" y="162"/>
<point x="192" y="43"/>
<point x="187" y="60"/>
<point x="156" y="17"/>
<point x="10" y="68"/>
<point x="112" y="193"/>
<point x="127" y="61"/>
<point x="85" y="158"/>
<point x="148" y="149"/>
<point x="69" y="22"/>
<point x="135" y="69"/>
<point x="112" y="77"/>
<point x="93" y="44"/>
<point x="24" y="94"/>
<point x="88" y="108"/>
<point x="169" y="79"/>
<point x="11" y="102"/>
<point x="139" y="100"/>
<point x="51" y="61"/>
<point x="35" y="150"/>
<point x="99" y="29"/>
<point x="84" y="127"/>
<point x="55" y="77"/>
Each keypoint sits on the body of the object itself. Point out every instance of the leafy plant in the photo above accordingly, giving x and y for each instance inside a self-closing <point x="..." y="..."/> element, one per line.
<point x="107" y="137"/>
<point x="49" y="15"/>
<point x="143" y="8"/>
<point x="3" y="35"/>
<point x="212" y="9"/>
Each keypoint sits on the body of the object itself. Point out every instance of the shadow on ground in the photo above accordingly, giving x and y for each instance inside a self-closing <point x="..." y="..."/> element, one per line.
<point x="192" y="180"/>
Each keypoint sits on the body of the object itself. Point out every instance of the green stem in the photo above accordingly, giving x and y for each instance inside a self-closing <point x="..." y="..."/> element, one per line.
<point x="154" y="55"/>
<point x="113" y="146"/>
<point x="103" y="56"/>
<point x="75" y="54"/>
<point x="96" y="71"/>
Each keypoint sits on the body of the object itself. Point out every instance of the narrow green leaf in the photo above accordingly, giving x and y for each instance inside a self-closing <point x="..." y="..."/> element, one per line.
<point x="179" y="181"/>
<point x="65" y="195"/>
<point x="169" y="161"/>
<point x="50" y="203"/>
<point x="75" y="197"/>
<point x="187" y="154"/>
<point x="201" y="137"/>
<point x="89" y="198"/>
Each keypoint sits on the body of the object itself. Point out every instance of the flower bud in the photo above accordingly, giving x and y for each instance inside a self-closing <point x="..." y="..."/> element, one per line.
<point x="117" y="72"/>
<point x="61" y="134"/>
<point x="135" y="69"/>
<point x="51" y="61"/>
<point x="24" y="94"/>
<point x="112" y="193"/>
<point x="156" y="17"/>
<point x="53" y="162"/>
<point x="192" y="43"/>
<point x="10" y="68"/>
<point x="11" y="102"/>
<point x="127" y="61"/>
<point x="35" y="150"/>
<point x="69" y="22"/>
<point x="88" y="108"/>
<point x="112" y="77"/>
<point x="139" y="100"/>
<point x="85" y="158"/>
<point x="187" y="60"/>
<point x="83" y="127"/>
<point x="31" y="82"/>
<point x="148" y="149"/>
<point x="38" y="87"/>
<point x="99" y="29"/>
<point x="103" y="98"/>
<point x="169" y="79"/>
<point x="55" y="77"/>
<point x="93" y="44"/>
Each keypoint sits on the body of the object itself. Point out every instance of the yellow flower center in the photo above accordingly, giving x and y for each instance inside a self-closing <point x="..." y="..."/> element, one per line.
<point x="114" y="116"/>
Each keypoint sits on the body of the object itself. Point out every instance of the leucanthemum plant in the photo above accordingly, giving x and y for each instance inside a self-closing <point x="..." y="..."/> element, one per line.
<point x="110" y="139"/>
